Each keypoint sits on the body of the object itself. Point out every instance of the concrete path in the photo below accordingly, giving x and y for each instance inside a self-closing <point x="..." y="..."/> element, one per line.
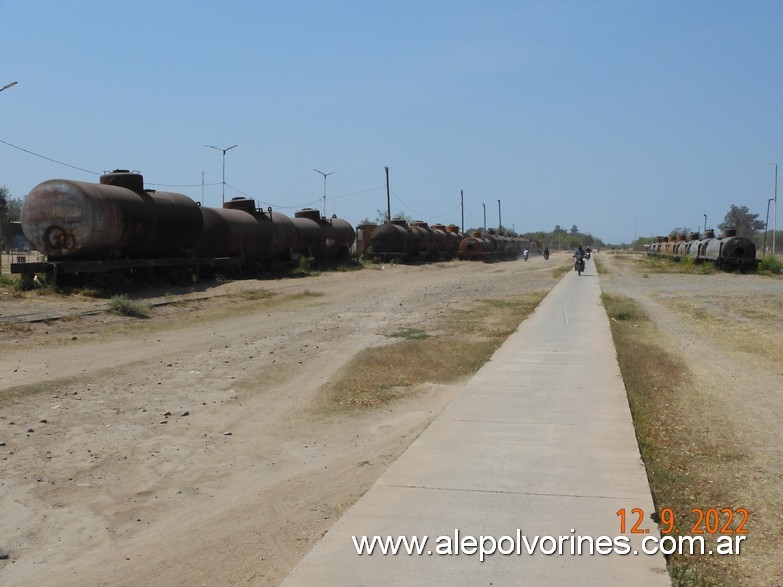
<point x="539" y="443"/>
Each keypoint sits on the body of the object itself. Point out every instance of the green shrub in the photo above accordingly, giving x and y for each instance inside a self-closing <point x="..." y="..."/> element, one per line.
<point x="126" y="307"/>
<point x="771" y="263"/>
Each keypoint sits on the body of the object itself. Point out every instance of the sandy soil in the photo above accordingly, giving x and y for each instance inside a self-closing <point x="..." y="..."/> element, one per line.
<point x="191" y="451"/>
<point x="726" y="329"/>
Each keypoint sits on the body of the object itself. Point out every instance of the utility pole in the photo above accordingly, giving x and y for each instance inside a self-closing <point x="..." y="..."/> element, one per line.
<point x="325" y="175"/>
<point x="775" y="210"/>
<point x="485" y="218"/>
<point x="766" y="228"/>
<point x="500" y="223"/>
<point x="388" y="196"/>
<point x="224" y="166"/>
<point x="705" y="223"/>
<point x="462" y="207"/>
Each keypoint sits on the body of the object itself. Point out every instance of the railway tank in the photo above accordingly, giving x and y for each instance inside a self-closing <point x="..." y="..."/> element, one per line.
<point x="116" y="231"/>
<point x="114" y="218"/>
<point x="728" y="251"/>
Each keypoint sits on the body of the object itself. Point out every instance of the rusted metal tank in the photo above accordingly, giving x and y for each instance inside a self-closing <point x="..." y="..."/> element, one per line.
<point x="424" y="238"/>
<point x="229" y="233"/>
<point x="474" y="247"/>
<point x="444" y="242"/>
<point x="393" y="239"/>
<point x="363" y="235"/>
<point x="342" y="238"/>
<point x="282" y="234"/>
<point x="116" y="218"/>
<point x="311" y="239"/>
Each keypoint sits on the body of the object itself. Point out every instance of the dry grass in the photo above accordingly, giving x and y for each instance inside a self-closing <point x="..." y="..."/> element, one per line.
<point x="693" y="455"/>
<point x="750" y="331"/>
<point x="444" y="351"/>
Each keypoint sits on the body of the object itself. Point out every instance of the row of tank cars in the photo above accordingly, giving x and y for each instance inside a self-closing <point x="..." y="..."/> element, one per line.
<point x="419" y="241"/>
<point x="117" y="230"/>
<point x="728" y="251"/>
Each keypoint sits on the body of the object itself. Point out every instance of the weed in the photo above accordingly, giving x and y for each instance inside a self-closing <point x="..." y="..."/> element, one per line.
<point x="124" y="306"/>
<point x="771" y="264"/>
<point x="410" y="334"/>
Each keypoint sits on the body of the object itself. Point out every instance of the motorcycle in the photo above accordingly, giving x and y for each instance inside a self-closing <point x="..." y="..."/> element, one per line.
<point x="525" y="255"/>
<point x="579" y="265"/>
<point x="546" y="255"/>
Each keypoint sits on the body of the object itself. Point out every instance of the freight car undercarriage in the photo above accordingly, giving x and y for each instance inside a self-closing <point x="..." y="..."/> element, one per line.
<point x="121" y="271"/>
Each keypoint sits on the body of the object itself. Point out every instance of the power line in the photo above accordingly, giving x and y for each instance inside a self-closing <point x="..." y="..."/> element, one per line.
<point x="49" y="158"/>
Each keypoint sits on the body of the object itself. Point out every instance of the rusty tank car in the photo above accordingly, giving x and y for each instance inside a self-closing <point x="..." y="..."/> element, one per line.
<point x="116" y="218"/>
<point x="728" y="252"/>
<point x="118" y="228"/>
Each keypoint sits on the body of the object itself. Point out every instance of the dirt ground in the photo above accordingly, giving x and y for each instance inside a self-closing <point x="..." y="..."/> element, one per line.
<point x="726" y="328"/>
<point x="188" y="448"/>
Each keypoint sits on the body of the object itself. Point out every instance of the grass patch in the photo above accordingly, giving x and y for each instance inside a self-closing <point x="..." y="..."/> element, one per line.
<point x="410" y="334"/>
<point x="253" y="294"/>
<point x="770" y="264"/>
<point x="687" y="265"/>
<point x="21" y="391"/>
<point x="685" y="438"/>
<point x="8" y="281"/>
<point x="558" y="272"/>
<point x="124" y="306"/>
<point x="462" y="342"/>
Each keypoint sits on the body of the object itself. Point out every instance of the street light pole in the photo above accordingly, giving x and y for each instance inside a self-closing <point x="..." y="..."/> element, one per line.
<point x="324" y="174"/>
<point x="5" y="87"/>
<point x="705" y="223"/>
<point x="224" y="166"/>
<point x="766" y="228"/>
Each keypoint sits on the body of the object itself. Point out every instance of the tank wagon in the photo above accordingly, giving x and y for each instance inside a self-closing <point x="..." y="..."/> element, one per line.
<point x="490" y="247"/>
<point x="417" y="241"/>
<point x="728" y="252"/>
<point x="117" y="228"/>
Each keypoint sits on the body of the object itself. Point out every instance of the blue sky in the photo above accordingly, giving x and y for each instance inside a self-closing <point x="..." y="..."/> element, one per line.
<point x="627" y="118"/>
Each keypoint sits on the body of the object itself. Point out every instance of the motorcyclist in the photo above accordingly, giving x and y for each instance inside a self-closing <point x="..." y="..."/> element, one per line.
<point x="579" y="255"/>
<point x="546" y="252"/>
<point x="525" y="254"/>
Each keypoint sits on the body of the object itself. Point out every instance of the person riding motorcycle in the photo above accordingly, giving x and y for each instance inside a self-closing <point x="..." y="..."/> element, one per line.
<point x="546" y="253"/>
<point x="579" y="264"/>
<point x="526" y="254"/>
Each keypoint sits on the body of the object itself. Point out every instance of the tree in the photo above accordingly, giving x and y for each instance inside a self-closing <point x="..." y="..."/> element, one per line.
<point x="747" y="224"/>
<point x="574" y="230"/>
<point x="14" y="209"/>
<point x="5" y="225"/>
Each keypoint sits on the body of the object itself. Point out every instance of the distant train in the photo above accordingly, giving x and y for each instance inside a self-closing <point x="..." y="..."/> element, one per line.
<point x="727" y="252"/>
<point x="119" y="229"/>
<point x="417" y="241"/>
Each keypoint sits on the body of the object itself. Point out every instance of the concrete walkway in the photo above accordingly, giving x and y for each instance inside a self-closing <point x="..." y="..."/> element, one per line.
<point x="539" y="443"/>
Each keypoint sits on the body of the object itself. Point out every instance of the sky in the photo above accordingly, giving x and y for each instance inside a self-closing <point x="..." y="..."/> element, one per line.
<point x="625" y="118"/>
